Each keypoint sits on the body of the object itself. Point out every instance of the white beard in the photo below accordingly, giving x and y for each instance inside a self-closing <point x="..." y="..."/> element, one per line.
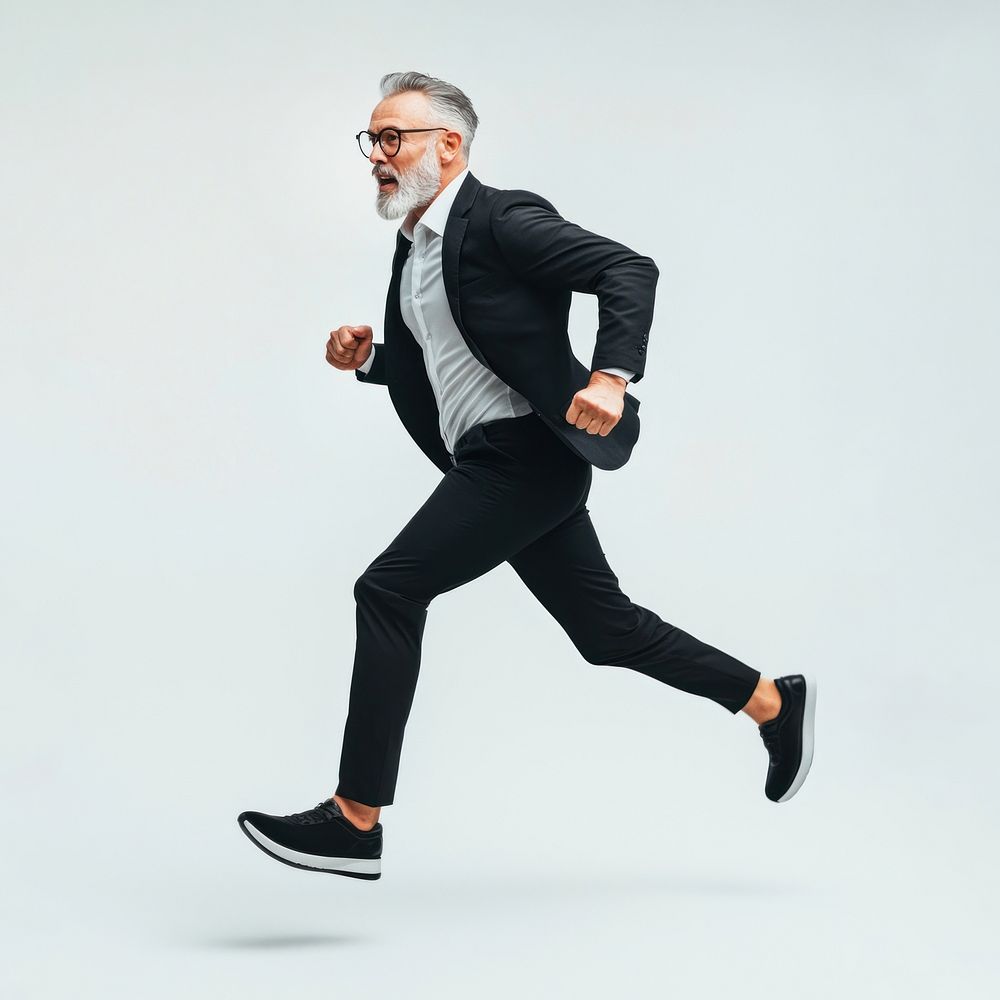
<point x="416" y="186"/>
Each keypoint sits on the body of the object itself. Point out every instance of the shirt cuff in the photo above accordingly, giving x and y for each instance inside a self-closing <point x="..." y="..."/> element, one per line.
<point x="623" y="372"/>
<point x="369" y="361"/>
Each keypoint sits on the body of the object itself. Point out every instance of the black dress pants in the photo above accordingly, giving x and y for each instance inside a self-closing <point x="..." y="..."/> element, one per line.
<point x="515" y="493"/>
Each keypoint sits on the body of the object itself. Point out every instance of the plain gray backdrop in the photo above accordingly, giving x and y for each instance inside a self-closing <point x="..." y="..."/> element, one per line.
<point x="190" y="492"/>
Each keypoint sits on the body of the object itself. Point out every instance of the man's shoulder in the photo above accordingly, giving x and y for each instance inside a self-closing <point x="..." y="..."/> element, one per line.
<point x="497" y="201"/>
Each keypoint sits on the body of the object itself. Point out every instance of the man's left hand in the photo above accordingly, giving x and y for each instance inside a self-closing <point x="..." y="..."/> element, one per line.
<point x="597" y="407"/>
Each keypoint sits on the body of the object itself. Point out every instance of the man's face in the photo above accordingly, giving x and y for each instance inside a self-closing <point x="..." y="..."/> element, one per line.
<point x="413" y="175"/>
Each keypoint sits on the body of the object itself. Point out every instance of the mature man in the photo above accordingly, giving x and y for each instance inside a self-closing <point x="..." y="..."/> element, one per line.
<point x="477" y="361"/>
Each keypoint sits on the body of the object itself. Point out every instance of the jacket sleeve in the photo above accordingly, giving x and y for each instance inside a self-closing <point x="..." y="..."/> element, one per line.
<point x="541" y="246"/>
<point x="375" y="370"/>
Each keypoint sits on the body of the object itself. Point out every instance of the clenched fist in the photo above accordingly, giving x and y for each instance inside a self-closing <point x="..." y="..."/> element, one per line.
<point x="598" y="407"/>
<point x="348" y="347"/>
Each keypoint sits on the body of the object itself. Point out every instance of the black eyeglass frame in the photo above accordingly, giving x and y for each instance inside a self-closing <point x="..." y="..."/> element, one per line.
<point x="389" y="128"/>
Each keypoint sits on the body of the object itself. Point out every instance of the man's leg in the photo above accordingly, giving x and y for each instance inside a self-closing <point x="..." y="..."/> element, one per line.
<point x="513" y="484"/>
<point x="567" y="571"/>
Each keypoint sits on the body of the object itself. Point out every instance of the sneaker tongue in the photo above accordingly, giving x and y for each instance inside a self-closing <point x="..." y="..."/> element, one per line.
<point x="332" y="804"/>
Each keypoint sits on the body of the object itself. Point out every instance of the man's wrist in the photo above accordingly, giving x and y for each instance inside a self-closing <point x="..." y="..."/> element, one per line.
<point x="607" y="378"/>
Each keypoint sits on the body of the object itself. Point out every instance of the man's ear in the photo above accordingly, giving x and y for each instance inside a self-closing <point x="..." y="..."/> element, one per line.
<point x="453" y="144"/>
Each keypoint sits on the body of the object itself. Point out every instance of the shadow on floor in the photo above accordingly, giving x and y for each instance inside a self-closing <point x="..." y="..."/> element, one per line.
<point x="277" y="942"/>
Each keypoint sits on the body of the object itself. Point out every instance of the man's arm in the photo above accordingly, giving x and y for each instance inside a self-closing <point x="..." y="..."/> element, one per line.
<point x="373" y="368"/>
<point x="544" y="248"/>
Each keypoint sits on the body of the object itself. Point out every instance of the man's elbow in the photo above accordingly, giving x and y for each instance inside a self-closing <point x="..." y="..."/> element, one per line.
<point x="646" y="271"/>
<point x="644" y="266"/>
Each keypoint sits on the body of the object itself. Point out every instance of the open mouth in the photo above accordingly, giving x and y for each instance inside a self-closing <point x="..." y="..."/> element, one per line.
<point x="385" y="183"/>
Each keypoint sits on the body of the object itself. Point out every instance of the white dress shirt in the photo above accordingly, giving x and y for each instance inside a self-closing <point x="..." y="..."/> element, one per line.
<point x="467" y="393"/>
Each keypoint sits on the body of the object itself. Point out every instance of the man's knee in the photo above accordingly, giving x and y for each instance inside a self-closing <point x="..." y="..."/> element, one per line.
<point x="371" y="585"/>
<point x="379" y="585"/>
<point x="599" y="650"/>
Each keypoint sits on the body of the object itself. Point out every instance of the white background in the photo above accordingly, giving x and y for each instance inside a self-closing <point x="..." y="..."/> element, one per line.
<point x="190" y="492"/>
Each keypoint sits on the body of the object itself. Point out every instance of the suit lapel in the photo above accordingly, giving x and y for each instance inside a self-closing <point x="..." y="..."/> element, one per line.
<point x="396" y="331"/>
<point x="451" y="253"/>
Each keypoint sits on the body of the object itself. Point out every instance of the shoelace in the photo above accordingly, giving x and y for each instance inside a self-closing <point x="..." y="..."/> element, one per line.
<point x="323" y="812"/>
<point x="771" y="736"/>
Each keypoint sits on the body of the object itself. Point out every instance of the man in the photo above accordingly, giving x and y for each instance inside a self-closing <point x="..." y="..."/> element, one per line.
<point x="478" y="365"/>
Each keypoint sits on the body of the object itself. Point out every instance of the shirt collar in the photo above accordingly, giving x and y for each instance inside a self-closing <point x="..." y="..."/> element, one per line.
<point x="435" y="216"/>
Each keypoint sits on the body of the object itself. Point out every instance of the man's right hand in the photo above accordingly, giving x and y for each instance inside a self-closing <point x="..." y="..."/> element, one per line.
<point x="348" y="347"/>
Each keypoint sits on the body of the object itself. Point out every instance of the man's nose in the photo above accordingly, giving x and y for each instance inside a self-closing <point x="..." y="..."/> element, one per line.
<point x="377" y="156"/>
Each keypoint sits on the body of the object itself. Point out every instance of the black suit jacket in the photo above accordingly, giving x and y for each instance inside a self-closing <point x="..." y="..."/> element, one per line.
<point x="511" y="264"/>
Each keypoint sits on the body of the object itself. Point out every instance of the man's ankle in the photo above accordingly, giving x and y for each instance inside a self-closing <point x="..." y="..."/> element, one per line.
<point x="360" y="815"/>
<point x="765" y="703"/>
<point x="770" y="715"/>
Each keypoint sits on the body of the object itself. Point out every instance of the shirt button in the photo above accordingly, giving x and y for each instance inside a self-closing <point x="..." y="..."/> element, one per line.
<point x="416" y="295"/>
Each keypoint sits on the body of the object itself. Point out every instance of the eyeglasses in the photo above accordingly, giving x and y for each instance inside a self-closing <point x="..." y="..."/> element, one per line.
<point x="388" y="139"/>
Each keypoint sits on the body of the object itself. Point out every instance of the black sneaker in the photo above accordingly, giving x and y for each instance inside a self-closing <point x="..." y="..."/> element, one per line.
<point x="322" y="839"/>
<point x="789" y="737"/>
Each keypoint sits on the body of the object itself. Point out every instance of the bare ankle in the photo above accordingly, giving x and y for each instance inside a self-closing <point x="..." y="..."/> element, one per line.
<point x="363" y="816"/>
<point x="765" y="702"/>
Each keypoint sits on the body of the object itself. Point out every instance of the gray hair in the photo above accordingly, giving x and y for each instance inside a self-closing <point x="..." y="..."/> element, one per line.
<point x="447" y="103"/>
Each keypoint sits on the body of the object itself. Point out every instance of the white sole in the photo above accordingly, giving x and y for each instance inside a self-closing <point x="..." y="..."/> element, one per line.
<point x="808" y="727"/>
<point x="318" y="862"/>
